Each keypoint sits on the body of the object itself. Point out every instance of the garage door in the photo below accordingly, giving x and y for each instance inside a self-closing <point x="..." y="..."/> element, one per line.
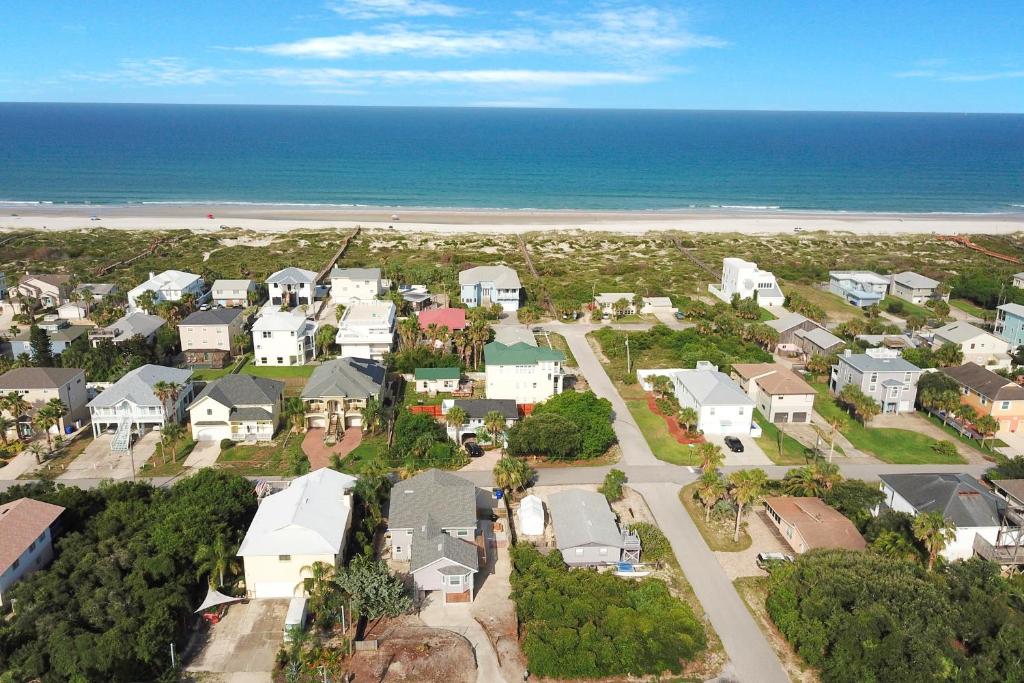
<point x="780" y="417"/>
<point x="799" y="417"/>
<point x="277" y="589"/>
<point x="354" y="421"/>
<point x="320" y="422"/>
<point x="213" y="433"/>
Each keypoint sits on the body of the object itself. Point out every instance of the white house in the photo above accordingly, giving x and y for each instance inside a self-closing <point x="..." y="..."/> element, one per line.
<point x="915" y="288"/>
<point x="169" y="285"/>
<point x="366" y="329"/>
<point x="437" y="380"/>
<point x="960" y="498"/>
<point x="778" y="392"/>
<point x="977" y="345"/>
<point x="523" y="373"/>
<point x="305" y="523"/>
<point x="37" y="386"/>
<point x="232" y="293"/>
<point x="239" y="407"/>
<point x="1018" y="280"/>
<point x="487" y="285"/>
<point x="722" y="406"/>
<point x="283" y="338"/>
<point x="586" y="533"/>
<point x="133" y="407"/>
<point x="292" y="287"/>
<point x="606" y="302"/>
<point x="26" y="540"/>
<point x="355" y="284"/>
<point x="476" y="409"/>
<point x="748" y="281"/>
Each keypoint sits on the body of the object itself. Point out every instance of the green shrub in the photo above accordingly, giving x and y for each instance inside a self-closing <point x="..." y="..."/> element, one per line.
<point x="654" y="546"/>
<point x="225" y="444"/>
<point x="612" y="486"/>
<point x="591" y="415"/>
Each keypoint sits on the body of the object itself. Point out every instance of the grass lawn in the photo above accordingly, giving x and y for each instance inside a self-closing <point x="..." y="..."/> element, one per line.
<point x="173" y="466"/>
<point x="972" y="309"/>
<point x="57" y="464"/>
<point x="209" y="374"/>
<point x="766" y="315"/>
<point x="365" y="454"/>
<point x="988" y="451"/>
<point x="654" y="429"/>
<point x="717" y="536"/>
<point x="793" y="452"/>
<point x="835" y="307"/>
<point x="896" y="446"/>
<point x="559" y="344"/>
<point x="267" y="460"/>
<point x="908" y="309"/>
<point x="293" y="376"/>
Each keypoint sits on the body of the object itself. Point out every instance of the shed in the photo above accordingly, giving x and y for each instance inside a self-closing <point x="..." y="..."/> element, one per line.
<point x="531" y="516"/>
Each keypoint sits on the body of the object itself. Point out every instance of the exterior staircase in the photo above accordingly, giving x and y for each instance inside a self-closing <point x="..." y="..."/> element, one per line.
<point x="122" y="437"/>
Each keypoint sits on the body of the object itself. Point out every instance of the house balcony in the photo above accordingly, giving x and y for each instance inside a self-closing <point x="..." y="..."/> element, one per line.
<point x="1009" y="555"/>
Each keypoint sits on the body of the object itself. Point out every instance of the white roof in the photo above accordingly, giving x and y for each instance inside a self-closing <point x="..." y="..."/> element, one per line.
<point x="657" y="301"/>
<point x="173" y="280"/>
<point x="231" y="284"/>
<point x="503" y="277"/>
<point x="612" y="297"/>
<point x="292" y="275"/>
<point x="1013" y="309"/>
<point x="713" y="388"/>
<point x="310" y="517"/>
<point x="911" y="279"/>
<point x="531" y="516"/>
<point x="862" y="276"/>
<point x="279" y="321"/>
<point x="958" y="332"/>
<point x="368" y="311"/>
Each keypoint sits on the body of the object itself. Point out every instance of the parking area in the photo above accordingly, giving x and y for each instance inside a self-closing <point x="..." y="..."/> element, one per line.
<point x="752" y="455"/>
<point x="204" y="454"/>
<point x="97" y="461"/>
<point x="246" y="640"/>
<point x="764" y="539"/>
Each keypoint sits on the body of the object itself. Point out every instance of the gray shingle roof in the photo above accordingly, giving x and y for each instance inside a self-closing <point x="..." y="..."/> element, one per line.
<point x="137" y="386"/>
<point x="290" y="275"/>
<point x="351" y="377"/>
<point x="355" y="273"/>
<point x="479" y="407"/>
<point x="985" y="382"/>
<point x="714" y="388"/>
<point x="820" y="337"/>
<point x="37" y="378"/>
<point x="787" y="322"/>
<point x="958" y="332"/>
<point x="911" y="279"/>
<point x="503" y="277"/>
<point x="959" y="497"/>
<point x="243" y="390"/>
<point x="213" y="316"/>
<point x="431" y="545"/>
<point x="447" y="499"/>
<point x="136" y="323"/>
<point x="865" y="363"/>
<point x="581" y="517"/>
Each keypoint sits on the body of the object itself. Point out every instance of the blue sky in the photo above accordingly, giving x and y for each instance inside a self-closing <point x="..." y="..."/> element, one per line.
<point x="727" y="54"/>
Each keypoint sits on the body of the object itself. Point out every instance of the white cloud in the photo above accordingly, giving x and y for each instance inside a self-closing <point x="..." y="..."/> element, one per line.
<point x="374" y="9"/>
<point x="162" y="71"/>
<point x="950" y="77"/>
<point x="437" y="43"/>
<point x="915" y="73"/>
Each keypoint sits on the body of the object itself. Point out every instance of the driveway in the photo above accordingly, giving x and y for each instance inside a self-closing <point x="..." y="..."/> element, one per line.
<point x="97" y="461"/>
<point x="752" y="456"/>
<point x="245" y="641"/>
<point x="18" y="465"/>
<point x="204" y="454"/>
<point x="1014" y="444"/>
<point x="485" y="463"/>
<point x="764" y="539"/>
<point x="319" y="453"/>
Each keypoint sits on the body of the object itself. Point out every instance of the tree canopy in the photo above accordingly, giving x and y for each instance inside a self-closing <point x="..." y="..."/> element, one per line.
<point x="590" y="416"/>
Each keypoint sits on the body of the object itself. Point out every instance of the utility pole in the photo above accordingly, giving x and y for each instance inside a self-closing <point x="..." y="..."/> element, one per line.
<point x="628" y="363"/>
<point x="173" y="659"/>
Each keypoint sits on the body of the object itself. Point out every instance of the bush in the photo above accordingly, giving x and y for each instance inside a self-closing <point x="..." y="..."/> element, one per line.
<point x="225" y="444"/>
<point x="945" y="449"/>
<point x="612" y="486"/>
<point x="548" y="434"/>
<point x="592" y="417"/>
<point x="654" y="546"/>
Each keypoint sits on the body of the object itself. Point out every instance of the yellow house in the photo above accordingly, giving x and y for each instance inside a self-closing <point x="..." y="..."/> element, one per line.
<point x="990" y="394"/>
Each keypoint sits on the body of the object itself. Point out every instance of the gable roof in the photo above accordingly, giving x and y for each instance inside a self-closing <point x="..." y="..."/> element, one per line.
<point x="713" y="388"/>
<point x="135" y="323"/>
<point x="98" y="289"/>
<point x="477" y="408"/>
<point x="519" y="353"/>
<point x="242" y="390"/>
<point x="909" y="278"/>
<point x="22" y="521"/>
<point x="788" y="322"/>
<point x="864" y="362"/>
<point x="310" y="517"/>
<point x="351" y="377"/>
<point x="514" y="334"/>
<point x="452" y="318"/>
<point x="37" y="378"/>
<point x="169" y="279"/>
<point x="503" y="277"/>
<point x="437" y="373"/>
<point x="290" y="275"/>
<point x="232" y="284"/>
<point x="54" y="279"/>
<point x="820" y="337"/>
<point x="582" y="517"/>
<point x="959" y="332"/>
<point x="448" y="499"/>
<point x="355" y="273"/>
<point x="985" y="382"/>
<point x="65" y="333"/>
<point x="430" y="544"/>
<point x="280" y="321"/>
<point x="959" y="497"/>
<point x="821" y="525"/>
<point x="213" y="316"/>
<point x="1012" y="309"/>
<point x="774" y="379"/>
<point x="137" y="386"/>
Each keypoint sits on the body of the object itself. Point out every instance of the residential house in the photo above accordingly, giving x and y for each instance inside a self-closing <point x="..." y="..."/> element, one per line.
<point x="60" y="332"/>
<point x="170" y="285"/>
<point x="366" y="329"/>
<point x="434" y="380"/>
<point x="898" y="342"/>
<point x="283" y="338"/>
<point x="26" y="540"/>
<point x="292" y="287"/>
<point x="208" y="337"/>
<point x="338" y="390"/>
<point x="1010" y="324"/>
<point x="881" y="374"/>
<point x="238" y="407"/>
<point x="586" y="533"/>
<point x="787" y="326"/>
<point x="977" y="345"/>
<point x="960" y="498"/>
<point x="488" y="285"/>
<point x="432" y="525"/>
<point x="80" y="304"/>
<point x="98" y="290"/>
<point x="523" y="373"/>
<point x="131" y="325"/>
<point x="48" y="289"/>
<point x="305" y="523"/>
<point x="72" y="311"/>
<point x="817" y="341"/>
<point x="232" y="293"/>
<point x="37" y="386"/>
<point x="807" y="523"/>
<point x="990" y="394"/>
<point x="605" y="301"/>
<point x="917" y="289"/>
<point x="132" y="407"/>
<point x="355" y="284"/>
<point x="657" y="304"/>
<point x="779" y="393"/>
<point x="1018" y="280"/>
<point x="417" y="297"/>
<point x="452" y="318"/>
<point x="745" y="279"/>
<point x="722" y="406"/>
<point x="476" y="410"/>
<point x="510" y="335"/>
<point x="1010" y="490"/>
<point x="862" y="288"/>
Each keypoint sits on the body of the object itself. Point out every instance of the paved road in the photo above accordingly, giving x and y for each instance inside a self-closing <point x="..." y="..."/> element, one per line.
<point x="751" y="657"/>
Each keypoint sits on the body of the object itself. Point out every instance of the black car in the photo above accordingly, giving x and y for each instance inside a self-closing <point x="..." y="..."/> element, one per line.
<point x="474" y="449"/>
<point x="734" y="444"/>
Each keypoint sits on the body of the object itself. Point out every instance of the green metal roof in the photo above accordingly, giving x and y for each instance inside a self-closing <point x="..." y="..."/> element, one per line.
<point x="519" y="353"/>
<point x="437" y="373"/>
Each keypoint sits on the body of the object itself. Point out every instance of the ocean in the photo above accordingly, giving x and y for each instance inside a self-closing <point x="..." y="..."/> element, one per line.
<point x="511" y="158"/>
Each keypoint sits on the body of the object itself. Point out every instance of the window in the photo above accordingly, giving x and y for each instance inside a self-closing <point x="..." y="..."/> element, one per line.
<point x="874" y="377"/>
<point x="711" y="411"/>
<point x="284" y="558"/>
<point x="579" y="551"/>
<point x="398" y="550"/>
<point x="209" y="411"/>
<point x="1004" y="405"/>
<point x="603" y="551"/>
<point x="455" y="580"/>
<point x="741" y="410"/>
<point x="266" y="334"/>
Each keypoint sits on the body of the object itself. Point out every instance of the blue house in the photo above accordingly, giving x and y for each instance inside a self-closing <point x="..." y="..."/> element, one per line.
<point x="862" y="288"/>
<point x="60" y="332"/>
<point x="1010" y="324"/>
<point x="488" y="285"/>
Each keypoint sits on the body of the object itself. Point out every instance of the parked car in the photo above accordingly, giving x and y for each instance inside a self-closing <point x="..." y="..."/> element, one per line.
<point x="474" y="449"/>
<point x="767" y="559"/>
<point x="734" y="444"/>
<point x="680" y="315"/>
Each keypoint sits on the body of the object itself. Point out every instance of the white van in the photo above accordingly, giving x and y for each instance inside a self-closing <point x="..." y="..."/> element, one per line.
<point x="295" y="620"/>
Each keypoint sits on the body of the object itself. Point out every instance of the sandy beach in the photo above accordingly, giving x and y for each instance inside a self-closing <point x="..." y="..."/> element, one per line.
<point x="283" y="218"/>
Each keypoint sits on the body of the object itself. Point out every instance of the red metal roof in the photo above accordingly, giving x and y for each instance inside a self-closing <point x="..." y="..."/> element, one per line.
<point x="452" y="318"/>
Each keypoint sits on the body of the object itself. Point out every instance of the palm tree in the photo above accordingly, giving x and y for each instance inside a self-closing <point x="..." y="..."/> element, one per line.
<point x="948" y="402"/>
<point x="172" y="431"/>
<point x="711" y="456"/>
<point x="895" y="545"/>
<point x="934" y="532"/>
<point x="166" y="390"/>
<point x="6" y="424"/>
<point x="987" y="426"/>
<point x="455" y="418"/>
<point x="966" y="413"/>
<point x="494" y="423"/>
<point x="16" y="405"/>
<point x="512" y="474"/>
<point x="710" y="489"/>
<point x="409" y="331"/>
<point x="372" y="415"/>
<point x="322" y="590"/>
<point x="45" y="418"/>
<point x="836" y="423"/>
<point x="37" y="450"/>
<point x="661" y="385"/>
<point x="214" y="560"/>
<point x="801" y="482"/>
<point x="294" y="411"/>
<point x="240" y="342"/>
<point x="747" y="485"/>
<point x="689" y="418"/>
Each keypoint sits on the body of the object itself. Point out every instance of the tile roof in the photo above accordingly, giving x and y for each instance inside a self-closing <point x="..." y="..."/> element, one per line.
<point x="985" y="382"/>
<point x="452" y="318"/>
<point x="820" y="525"/>
<point x="959" y="497"/>
<point x="213" y="316"/>
<point x="503" y="277"/>
<point x="137" y="386"/>
<point x="37" y="378"/>
<point x="22" y="521"/>
<point x="437" y="373"/>
<point x="478" y="408"/>
<point x="242" y="390"/>
<point x="581" y="518"/>
<point x="447" y="498"/>
<point x="497" y="353"/>
<point x="350" y="377"/>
